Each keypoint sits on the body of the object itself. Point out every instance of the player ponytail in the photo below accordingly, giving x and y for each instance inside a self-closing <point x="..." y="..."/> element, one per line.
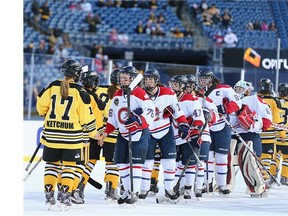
<point x="64" y="88"/>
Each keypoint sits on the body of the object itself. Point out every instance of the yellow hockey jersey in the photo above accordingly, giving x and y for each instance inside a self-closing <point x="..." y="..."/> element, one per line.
<point x="66" y="120"/>
<point x="275" y="106"/>
<point x="103" y="95"/>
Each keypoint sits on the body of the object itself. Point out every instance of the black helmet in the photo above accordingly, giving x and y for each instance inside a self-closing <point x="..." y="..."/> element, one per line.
<point x="181" y="79"/>
<point x="206" y="72"/>
<point x="191" y="81"/>
<point x="283" y="89"/>
<point x="114" y="76"/>
<point x="151" y="73"/>
<point x="90" y="79"/>
<point x="72" y="68"/>
<point x="265" y="86"/>
<point x="127" y="70"/>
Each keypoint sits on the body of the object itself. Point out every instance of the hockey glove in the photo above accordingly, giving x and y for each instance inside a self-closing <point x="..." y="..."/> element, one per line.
<point x="189" y="120"/>
<point x="133" y="123"/>
<point x="221" y="109"/>
<point x="168" y="111"/>
<point x="137" y="111"/>
<point x="184" y="131"/>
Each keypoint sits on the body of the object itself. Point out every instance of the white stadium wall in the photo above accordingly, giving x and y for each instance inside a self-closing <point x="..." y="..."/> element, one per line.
<point x="32" y="134"/>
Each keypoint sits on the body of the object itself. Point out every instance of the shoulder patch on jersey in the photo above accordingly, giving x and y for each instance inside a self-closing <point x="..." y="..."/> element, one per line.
<point x="116" y="101"/>
<point x="222" y="86"/>
<point x="165" y="91"/>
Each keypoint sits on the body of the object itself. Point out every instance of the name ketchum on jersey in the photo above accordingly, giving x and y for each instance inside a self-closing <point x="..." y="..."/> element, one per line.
<point x="58" y="124"/>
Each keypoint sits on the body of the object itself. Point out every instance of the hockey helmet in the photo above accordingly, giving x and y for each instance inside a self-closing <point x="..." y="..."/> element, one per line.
<point x="90" y="79"/>
<point x="283" y="89"/>
<point x="72" y="68"/>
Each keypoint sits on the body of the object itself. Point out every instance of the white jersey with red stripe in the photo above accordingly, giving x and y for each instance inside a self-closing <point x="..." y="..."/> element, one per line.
<point x="226" y="96"/>
<point x="163" y="98"/>
<point x="118" y="112"/>
<point x="262" y="110"/>
<point x="208" y="104"/>
<point x="191" y="107"/>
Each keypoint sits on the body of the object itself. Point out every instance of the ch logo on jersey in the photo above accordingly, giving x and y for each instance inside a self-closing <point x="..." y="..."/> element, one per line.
<point x="123" y="115"/>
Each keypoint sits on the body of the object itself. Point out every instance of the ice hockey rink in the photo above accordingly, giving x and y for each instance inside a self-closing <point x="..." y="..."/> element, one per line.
<point x="238" y="203"/>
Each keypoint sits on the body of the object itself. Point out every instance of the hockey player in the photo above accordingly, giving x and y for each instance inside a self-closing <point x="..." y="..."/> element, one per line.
<point x="132" y="128"/>
<point x="211" y="117"/>
<point x="268" y="137"/>
<point x="192" y="109"/>
<point x="66" y="108"/>
<point x="282" y="144"/>
<point x="253" y="118"/>
<point x="227" y="102"/>
<point x="165" y="101"/>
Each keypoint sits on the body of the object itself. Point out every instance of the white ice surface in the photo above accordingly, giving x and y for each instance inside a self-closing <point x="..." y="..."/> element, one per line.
<point x="238" y="203"/>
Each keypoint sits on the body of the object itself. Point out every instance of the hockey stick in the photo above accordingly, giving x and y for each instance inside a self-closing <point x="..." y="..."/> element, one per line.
<point x="244" y="143"/>
<point x="280" y="126"/>
<point x="33" y="156"/>
<point x="34" y="167"/>
<point x="94" y="183"/>
<point x="132" y="85"/>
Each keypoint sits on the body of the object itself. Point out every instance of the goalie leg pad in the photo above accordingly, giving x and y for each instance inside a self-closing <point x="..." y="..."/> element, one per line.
<point x="232" y="162"/>
<point x="250" y="170"/>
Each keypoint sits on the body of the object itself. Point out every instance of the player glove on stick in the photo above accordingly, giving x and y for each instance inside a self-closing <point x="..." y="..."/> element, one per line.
<point x="167" y="112"/>
<point x="184" y="130"/>
<point x="133" y="123"/>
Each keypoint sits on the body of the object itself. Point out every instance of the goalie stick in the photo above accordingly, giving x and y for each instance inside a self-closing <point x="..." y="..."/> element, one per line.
<point x="94" y="183"/>
<point x="244" y="143"/>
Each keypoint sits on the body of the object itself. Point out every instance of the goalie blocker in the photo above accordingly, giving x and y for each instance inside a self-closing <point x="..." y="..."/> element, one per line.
<point x="240" y="156"/>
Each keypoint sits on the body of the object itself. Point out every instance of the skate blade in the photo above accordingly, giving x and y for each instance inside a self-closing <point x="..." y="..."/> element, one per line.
<point x="160" y="200"/>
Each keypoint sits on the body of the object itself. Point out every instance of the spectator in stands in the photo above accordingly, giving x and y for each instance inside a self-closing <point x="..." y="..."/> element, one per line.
<point x="139" y="28"/>
<point x="177" y="33"/>
<point x="61" y="53"/>
<point x="158" y="30"/>
<point x="188" y="32"/>
<point x="86" y="6"/>
<point x="249" y="26"/>
<point x="35" y="8"/>
<point x="161" y="18"/>
<point x="264" y="26"/>
<point x="66" y="40"/>
<point x="152" y="17"/>
<point x="203" y="6"/>
<point x="272" y="27"/>
<point x="226" y="19"/>
<point x="94" y="50"/>
<point x="45" y="15"/>
<point x="256" y="25"/>
<point x="51" y="49"/>
<point x="218" y="39"/>
<point x="123" y="38"/>
<point x="230" y="39"/>
<point x="206" y="18"/>
<point x="153" y="4"/>
<point x="40" y="51"/>
<point x="29" y="48"/>
<point x="113" y="37"/>
<point x="148" y="28"/>
<point x="215" y="14"/>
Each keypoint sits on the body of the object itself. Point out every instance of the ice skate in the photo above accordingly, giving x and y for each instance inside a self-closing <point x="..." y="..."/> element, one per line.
<point x="111" y="193"/>
<point x="223" y="191"/>
<point x="50" y="200"/>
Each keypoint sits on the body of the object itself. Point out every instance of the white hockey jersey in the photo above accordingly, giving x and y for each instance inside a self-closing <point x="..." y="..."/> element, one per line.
<point x="191" y="106"/>
<point x="208" y="104"/>
<point x="226" y="96"/>
<point x="163" y="98"/>
<point x="262" y="110"/>
<point x="118" y="112"/>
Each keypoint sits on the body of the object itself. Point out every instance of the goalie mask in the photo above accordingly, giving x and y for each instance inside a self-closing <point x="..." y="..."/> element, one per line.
<point x="242" y="88"/>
